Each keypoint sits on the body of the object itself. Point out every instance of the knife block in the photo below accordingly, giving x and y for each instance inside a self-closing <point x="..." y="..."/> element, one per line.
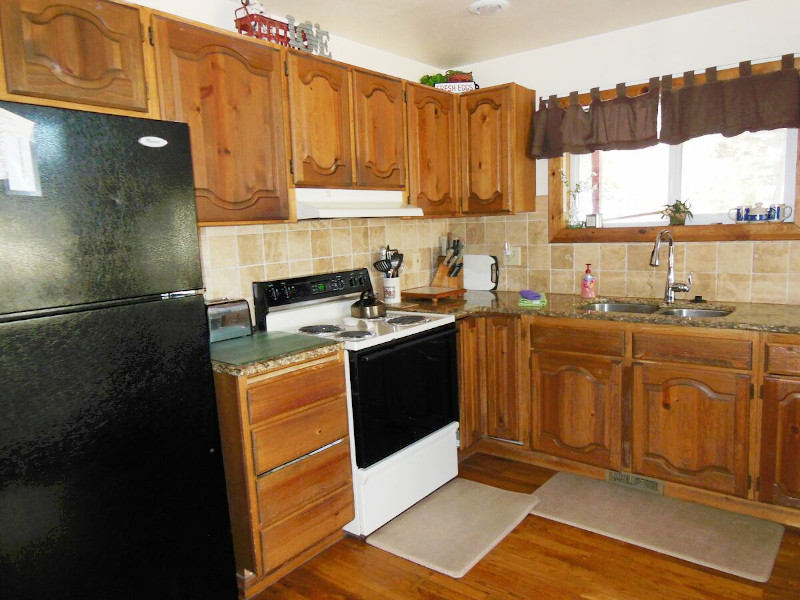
<point x="441" y="279"/>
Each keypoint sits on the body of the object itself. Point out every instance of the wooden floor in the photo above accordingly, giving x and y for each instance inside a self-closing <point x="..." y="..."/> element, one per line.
<point x="539" y="559"/>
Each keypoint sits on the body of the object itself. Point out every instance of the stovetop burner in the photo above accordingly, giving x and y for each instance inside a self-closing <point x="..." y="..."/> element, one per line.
<point x="407" y="320"/>
<point x="320" y="329"/>
<point x="355" y="335"/>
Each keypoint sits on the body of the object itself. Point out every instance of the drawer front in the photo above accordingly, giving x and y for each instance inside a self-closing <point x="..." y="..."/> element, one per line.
<point x="783" y="359"/>
<point x="283" y="440"/>
<point x="716" y="352"/>
<point x="577" y="339"/>
<point x="300" y="531"/>
<point x="273" y="397"/>
<point x="287" y="490"/>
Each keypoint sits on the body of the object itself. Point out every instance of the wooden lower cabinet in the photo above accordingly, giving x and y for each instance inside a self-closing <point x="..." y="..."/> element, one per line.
<point x="492" y="403"/>
<point x="578" y="408"/>
<point x="506" y="415"/>
<point x="690" y="426"/>
<point x="286" y="449"/>
<point x="780" y="442"/>
<point x="472" y="407"/>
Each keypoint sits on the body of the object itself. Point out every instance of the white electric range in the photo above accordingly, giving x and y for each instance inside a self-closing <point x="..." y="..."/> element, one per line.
<point x="402" y="388"/>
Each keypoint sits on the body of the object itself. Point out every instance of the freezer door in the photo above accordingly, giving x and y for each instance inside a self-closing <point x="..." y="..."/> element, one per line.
<point x="116" y="219"/>
<point x="111" y="475"/>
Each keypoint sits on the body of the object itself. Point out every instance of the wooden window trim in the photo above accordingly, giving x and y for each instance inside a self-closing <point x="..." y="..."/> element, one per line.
<point x="557" y="223"/>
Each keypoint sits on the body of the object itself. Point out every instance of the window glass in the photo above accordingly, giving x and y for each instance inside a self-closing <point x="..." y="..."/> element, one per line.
<point x="715" y="174"/>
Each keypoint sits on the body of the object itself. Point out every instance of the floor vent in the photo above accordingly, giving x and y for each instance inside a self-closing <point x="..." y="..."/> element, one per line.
<point x="645" y="484"/>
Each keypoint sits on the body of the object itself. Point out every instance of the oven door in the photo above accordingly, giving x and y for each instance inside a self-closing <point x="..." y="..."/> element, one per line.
<point x="402" y="391"/>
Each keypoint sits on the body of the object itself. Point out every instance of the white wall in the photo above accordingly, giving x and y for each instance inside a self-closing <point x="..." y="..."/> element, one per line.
<point x="723" y="36"/>
<point x="220" y="13"/>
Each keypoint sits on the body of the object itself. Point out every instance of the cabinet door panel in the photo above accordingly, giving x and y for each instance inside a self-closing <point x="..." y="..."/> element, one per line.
<point x="74" y="50"/>
<point x="230" y="93"/>
<point x="472" y="406"/>
<point x="690" y="426"/>
<point x="577" y="406"/>
<point x="319" y="97"/>
<point x="780" y="442"/>
<point x="432" y="162"/>
<point x="485" y="147"/>
<point x="504" y="420"/>
<point x="380" y="139"/>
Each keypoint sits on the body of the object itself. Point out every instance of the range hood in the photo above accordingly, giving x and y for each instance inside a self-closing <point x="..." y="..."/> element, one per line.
<point x="315" y="203"/>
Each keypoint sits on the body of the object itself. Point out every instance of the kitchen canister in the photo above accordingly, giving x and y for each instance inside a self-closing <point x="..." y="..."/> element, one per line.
<point x="391" y="290"/>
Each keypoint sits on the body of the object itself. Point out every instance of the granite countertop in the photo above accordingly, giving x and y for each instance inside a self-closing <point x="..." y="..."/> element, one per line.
<point x="265" y="351"/>
<point x="775" y="318"/>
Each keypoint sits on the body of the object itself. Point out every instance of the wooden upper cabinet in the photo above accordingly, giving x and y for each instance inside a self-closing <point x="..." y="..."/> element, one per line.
<point x="83" y="51"/>
<point x="319" y="97"/>
<point x="780" y="442"/>
<point x="690" y="426"/>
<point x="380" y="137"/>
<point x="230" y="92"/>
<point x="497" y="177"/>
<point x="432" y="150"/>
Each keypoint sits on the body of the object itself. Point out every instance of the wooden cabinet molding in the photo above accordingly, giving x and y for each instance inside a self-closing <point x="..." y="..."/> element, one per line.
<point x="230" y="91"/>
<point x="319" y="100"/>
<point x="497" y="177"/>
<point x="380" y="135"/>
<point x="78" y="51"/>
<point x="432" y="150"/>
<point x="690" y="426"/>
<point x="493" y="380"/>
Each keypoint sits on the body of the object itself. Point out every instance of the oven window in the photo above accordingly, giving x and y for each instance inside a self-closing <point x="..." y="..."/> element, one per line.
<point x="402" y="391"/>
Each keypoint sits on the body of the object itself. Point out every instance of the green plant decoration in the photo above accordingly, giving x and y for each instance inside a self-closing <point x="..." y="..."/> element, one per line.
<point x="677" y="212"/>
<point x="432" y="80"/>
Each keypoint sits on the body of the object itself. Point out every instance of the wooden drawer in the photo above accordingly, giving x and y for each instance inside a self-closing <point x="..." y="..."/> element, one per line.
<point x="283" y="440"/>
<point x="571" y="338"/>
<point x="289" y="537"/>
<point x="782" y="359"/>
<point x="712" y="351"/>
<point x="273" y="397"/>
<point x="287" y="490"/>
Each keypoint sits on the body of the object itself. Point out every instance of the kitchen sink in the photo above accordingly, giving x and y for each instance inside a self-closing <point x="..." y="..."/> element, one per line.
<point x="628" y="307"/>
<point x="693" y="312"/>
<point x="650" y="309"/>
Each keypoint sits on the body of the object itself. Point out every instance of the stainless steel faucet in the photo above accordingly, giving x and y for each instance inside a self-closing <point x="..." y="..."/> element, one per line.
<point x="671" y="287"/>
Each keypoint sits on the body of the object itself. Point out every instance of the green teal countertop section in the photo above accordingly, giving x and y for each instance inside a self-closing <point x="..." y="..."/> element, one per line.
<point x="263" y="350"/>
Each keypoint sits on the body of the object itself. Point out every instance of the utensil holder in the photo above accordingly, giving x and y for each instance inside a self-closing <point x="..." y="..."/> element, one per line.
<point x="391" y="290"/>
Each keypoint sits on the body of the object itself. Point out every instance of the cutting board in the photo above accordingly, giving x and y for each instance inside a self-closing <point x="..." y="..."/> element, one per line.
<point x="481" y="272"/>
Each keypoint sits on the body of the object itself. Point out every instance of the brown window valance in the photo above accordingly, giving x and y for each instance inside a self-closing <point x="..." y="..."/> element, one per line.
<point x="731" y="106"/>
<point x="746" y="103"/>
<point x="616" y="124"/>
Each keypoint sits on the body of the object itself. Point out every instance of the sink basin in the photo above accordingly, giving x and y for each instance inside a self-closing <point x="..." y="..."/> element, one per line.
<point x="620" y="307"/>
<point x="693" y="312"/>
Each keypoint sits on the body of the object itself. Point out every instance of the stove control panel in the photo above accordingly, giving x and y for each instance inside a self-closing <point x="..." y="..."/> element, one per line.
<point x="281" y="292"/>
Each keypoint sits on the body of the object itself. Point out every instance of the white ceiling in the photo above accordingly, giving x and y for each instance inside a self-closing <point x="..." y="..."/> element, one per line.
<point x="443" y="33"/>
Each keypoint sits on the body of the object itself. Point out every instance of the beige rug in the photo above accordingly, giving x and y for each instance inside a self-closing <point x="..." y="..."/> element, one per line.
<point x="729" y="542"/>
<point x="454" y="527"/>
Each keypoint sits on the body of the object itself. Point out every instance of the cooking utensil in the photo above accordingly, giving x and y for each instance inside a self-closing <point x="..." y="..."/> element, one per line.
<point x="396" y="261"/>
<point x="383" y="265"/>
<point x="455" y="270"/>
<point x="367" y="306"/>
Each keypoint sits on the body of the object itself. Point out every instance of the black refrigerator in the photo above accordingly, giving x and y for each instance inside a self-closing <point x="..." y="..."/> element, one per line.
<point x="111" y="475"/>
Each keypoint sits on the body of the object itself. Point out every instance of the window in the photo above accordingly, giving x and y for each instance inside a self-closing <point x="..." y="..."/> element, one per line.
<point x="715" y="174"/>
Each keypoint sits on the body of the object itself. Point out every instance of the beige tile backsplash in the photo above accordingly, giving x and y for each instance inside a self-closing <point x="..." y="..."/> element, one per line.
<point x="234" y="257"/>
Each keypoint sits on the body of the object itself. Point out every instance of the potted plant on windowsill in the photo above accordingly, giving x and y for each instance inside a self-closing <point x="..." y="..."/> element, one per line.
<point x="677" y="212"/>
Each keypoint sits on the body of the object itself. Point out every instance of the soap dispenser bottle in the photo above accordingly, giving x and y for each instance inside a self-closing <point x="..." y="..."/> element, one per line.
<point x="587" y="283"/>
